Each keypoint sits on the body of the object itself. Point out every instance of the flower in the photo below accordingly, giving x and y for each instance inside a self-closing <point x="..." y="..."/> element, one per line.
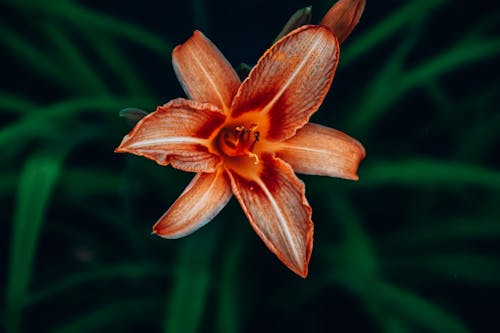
<point x="343" y="16"/>
<point x="248" y="138"/>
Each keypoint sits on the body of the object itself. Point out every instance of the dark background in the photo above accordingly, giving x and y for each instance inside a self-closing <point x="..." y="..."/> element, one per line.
<point x="413" y="246"/>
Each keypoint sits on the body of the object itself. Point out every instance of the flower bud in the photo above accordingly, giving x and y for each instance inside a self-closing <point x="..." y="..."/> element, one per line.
<point x="132" y="115"/>
<point x="300" y="18"/>
<point x="343" y="16"/>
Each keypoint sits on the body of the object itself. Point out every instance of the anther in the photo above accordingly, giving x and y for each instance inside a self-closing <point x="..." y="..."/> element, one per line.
<point x="254" y="156"/>
<point x="240" y="141"/>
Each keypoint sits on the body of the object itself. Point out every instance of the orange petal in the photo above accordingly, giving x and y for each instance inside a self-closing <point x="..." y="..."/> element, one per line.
<point x="290" y="81"/>
<point x="278" y="211"/>
<point x="200" y="202"/>
<point x="176" y="133"/>
<point x="204" y="72"/>
<point x="343" y="17"/>
<point x="324" y="151"/>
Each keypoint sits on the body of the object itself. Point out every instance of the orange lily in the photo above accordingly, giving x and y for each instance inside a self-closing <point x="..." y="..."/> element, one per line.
<point x="248" y="138"/>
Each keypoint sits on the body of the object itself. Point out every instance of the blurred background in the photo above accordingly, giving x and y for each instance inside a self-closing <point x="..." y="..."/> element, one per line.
<point x="413" y="246"/>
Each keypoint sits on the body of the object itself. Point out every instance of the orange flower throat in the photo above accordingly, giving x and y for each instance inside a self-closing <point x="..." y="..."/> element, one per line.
<point x="239" y="141"/>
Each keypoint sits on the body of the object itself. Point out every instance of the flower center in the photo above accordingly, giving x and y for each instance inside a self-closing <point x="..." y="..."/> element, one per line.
<point x="239" y="141"/>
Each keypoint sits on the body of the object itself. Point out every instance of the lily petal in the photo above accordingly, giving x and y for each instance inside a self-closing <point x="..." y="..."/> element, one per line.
<point x="290" y="81"/>
<point x="177" y="133"/>
<point x="200" y="202"/>
<point x="204" y="72"/>
<point x="343" y="17"/>
<point x="323" y="151"/>
<point x="278" y="211"/>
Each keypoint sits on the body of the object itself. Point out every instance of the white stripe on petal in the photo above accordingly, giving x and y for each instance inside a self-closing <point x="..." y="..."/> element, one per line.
<point x="167" y="140"/>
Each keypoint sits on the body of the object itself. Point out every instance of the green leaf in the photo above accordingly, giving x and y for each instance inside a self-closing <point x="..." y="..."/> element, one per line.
<point x="464" y="228"/>
<point x="116" y="60"/>
<point x="80" y="184"/>
<point x="415" y="309"/>
<point x="438" y="95"/>
<point x="382" y="91"/>
<point x="36" y="183"/>
<point x="77" y="14"/>
<point x="116" y="314"/>
<point x="457" y="56"/>
<point x="461" y="54"/>
<point x="82" y="73"/>
<point x="423" y="172"/>
<point x="229" y="312"/>
<point x="15" y="104"/>
<point x="8" y="183"/>
<point x="131" y="271"/>
<point x="393" y="82"/>
<point x="41" y="121"/>
<point x="390" y="26"/>
<point x="188" y="297"/>
<point x="391" y="305"/>
<point x="32" y="57"/>
<point x="74" y="13"/>
<point x="454" y="267"/>
<point x="475" y="139"/>
<point x="357" y="249"/>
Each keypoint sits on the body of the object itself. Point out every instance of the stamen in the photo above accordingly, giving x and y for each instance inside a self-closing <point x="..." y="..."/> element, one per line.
<point x="240" y="141"/>
<point x="254" y="156"/>
<point x="256" y="135"/>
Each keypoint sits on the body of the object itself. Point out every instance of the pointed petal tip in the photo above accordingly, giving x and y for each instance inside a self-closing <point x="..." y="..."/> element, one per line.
<point x="204" y="72"/>
<point x="168" y="233"/>
<point x="124" y="146"/>
<point x="301" y="271"/>
<point x="205" y="196"/>
<point x="323" y="151"/>
<point x="158" y="232"/>
<point x="197" y="33"/>
<point x="278" y="211"/>
<point x="120" y="149"/>
<point x="176" y="133"/>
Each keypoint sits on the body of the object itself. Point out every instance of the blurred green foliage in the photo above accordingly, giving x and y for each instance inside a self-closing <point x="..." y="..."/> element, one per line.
<point x="412" y="247"/>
